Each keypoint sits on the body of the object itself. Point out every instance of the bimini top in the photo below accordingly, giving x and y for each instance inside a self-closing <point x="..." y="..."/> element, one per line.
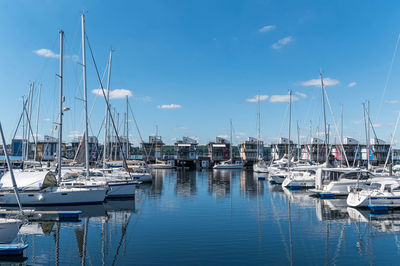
<point x="28" y="180"/>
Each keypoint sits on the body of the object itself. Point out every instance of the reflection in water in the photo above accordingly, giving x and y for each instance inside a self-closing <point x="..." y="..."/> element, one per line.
<point x="185" y="183"/>
<point x="249" y="185"/>
<point x="219" y="182"/>
<point x="216" y="217"/>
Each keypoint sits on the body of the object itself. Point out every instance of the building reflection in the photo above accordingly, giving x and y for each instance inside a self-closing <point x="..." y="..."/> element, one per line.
<point x="185" y="183"/>
<point x="220" y="182"/>
<point x="250" y="186"/>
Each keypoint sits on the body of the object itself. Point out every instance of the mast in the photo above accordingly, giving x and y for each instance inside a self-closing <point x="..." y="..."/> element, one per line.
<point x="86" y="136"/>
<point x="59" y="155"/>
<point x="341" y="132"/>
<point x="323" y="107"/>
<point x="259" y="126"/>
<point x="10" y="169"/>
<point x="298" y="141"/>
<point x="127" y="129"/>
<point x="23" y="131"/>
<point x="290" y="124"/>
<point x="37" y="122"/>
<point x="230" y="146"/>
<point x="368" y="133"/>
<point x="107" y="114"/>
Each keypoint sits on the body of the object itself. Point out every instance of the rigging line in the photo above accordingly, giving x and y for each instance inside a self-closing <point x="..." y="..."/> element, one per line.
<point x="137" y="128"/>
<point x="124" y="156"/>
<point x="388" y="76"/>
<point x="336" y="127"/>
<point x="391" y="142"/>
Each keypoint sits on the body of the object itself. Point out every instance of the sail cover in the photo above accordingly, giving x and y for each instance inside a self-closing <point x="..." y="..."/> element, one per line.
<point x="28" y="180"/>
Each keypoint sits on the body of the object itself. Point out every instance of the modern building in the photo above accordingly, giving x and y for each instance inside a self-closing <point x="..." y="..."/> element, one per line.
<point x="185" y="152"/>
<point x="314" y="151"/>
<point x="378" y="153"/>
<point x="281" y="147"/>
<point x="153" y="149"/>
<point x="352" y="148"/>
<point x="251" y="149"/>
<point x="46" y="148"/>
<point x="219" y="150"/>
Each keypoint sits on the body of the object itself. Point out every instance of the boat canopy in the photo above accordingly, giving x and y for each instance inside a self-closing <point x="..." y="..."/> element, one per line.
<point x="29" y="180"/>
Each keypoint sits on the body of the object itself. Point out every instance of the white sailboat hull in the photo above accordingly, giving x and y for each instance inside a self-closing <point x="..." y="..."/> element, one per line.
<point x="9" y="229"/>
<point x="228" y="166"/>
<point x="55" y="196"/>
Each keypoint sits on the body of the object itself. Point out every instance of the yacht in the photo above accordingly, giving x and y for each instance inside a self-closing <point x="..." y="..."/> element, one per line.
<point x="38" y="188"/>
<point x="382" y="192"/>
<point x="300" y="179"/>
<point x="260" y="167"/>
<point x="331" y="182"/>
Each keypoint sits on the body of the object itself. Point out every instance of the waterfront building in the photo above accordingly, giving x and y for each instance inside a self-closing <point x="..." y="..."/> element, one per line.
<point x="46" y="148"/>
<point x="153" y="149"/>
<point x="313" y="151"/>
<point x="352" y="147"/>
<point x="219" y="150"/>
<point x="250" y="149"/>
<point x="77" y="143"/>
<point x="379" y="150"/>
<point x="281" y="148"/>
<point x="185" y="151"/>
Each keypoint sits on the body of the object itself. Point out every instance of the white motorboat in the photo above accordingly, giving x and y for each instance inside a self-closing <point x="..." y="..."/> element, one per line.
<point x="161" y="165"/>
<point x="383" y="192"/>
<point x="278" y="176"/>
<point x="9" y="229"/>
<point x="228" y="165"/>
<point x="331" y="182"/>
<point x="260" y="167"/>
<point x="300" y="179"/>
<point x="40" y="188"/>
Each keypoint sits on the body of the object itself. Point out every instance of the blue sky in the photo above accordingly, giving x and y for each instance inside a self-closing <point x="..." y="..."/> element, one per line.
<point x="206" y="60"/>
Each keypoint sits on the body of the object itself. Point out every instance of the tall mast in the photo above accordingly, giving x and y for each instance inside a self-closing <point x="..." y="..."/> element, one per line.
<point x="127" y="129"/>
<point x="107" y="114"/>
<point x="341" y="133"/>
<point x="323" y="107"/>
<point x="23" y="131"/>
<point x="230" y="146"/>
<point x="37" y="122"/>
<point x="369" y="134"/>
<point x="290" y="124"/>
<point x="59" y="154"/>
<point x="259" y="126"/>
<point x="298" y="141"/>
<point x="86" y="136"/>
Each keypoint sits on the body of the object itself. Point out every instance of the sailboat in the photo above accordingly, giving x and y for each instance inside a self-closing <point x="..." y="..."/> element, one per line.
<point x="261" y="165"/>
<point x="229" y="164"/>
<point x="117" y="185"/>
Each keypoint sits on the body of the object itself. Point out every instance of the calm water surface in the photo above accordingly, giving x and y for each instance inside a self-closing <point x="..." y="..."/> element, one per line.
<point x="208" y="217"/>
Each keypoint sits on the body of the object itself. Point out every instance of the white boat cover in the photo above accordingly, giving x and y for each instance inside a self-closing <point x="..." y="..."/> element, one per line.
<point x="28" y="180"/>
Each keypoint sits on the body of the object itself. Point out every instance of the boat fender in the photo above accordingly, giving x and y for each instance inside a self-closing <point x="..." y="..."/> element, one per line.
<point x="41" y="197"/>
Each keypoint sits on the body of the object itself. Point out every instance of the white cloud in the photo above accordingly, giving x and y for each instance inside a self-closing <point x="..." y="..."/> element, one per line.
<point x="382" y="124"/>
<point x="169" y="106"/>
<point x="282" y="42"/>
<point x="114" y="94"/>
<point x="46" y="53"/>
<point x="223" y="136"/>
<point x="302" y="95"/>
<point x="47" y="119"/>
<point x="317" y="82"/>
<point x="392" y="101"/>
<point x="282" y="98"/>
<point x="258" y="97"/>
<point x="352" y="84"/>
<point x="267" y="28"/>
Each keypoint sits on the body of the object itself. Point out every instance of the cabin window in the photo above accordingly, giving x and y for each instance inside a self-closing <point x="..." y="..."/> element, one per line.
<point x="64" y="194"/>
<point x="30" y="195"/>
<point x="375" y="186"/>
<point x="388" y="187"/>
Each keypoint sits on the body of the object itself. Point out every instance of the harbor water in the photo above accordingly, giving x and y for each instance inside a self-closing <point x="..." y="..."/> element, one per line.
<point x="213" y="218"/>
